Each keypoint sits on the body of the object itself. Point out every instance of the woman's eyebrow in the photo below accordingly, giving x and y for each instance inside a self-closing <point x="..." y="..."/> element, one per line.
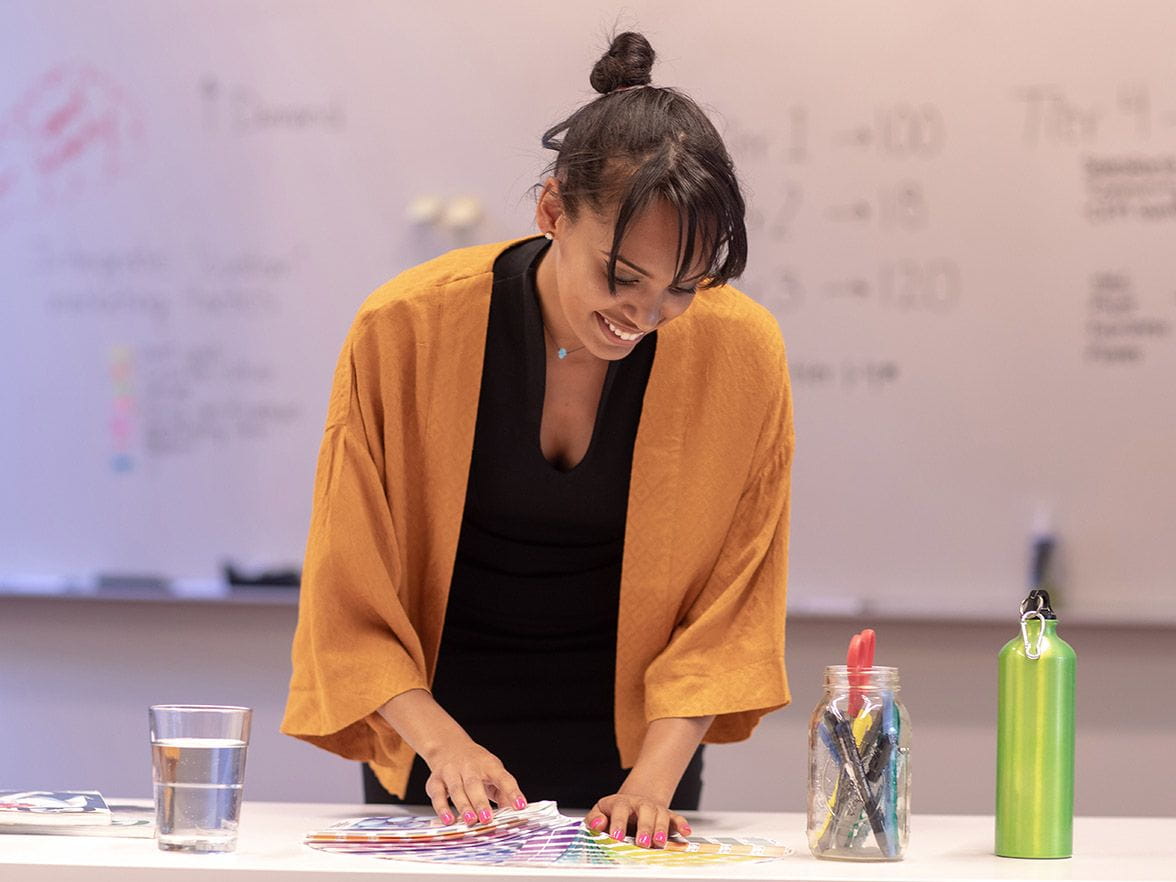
<point x="633" y="266"/>
<point x="628" y="263"/>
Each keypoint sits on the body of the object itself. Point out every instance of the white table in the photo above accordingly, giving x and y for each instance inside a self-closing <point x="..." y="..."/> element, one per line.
<point x="943" y="848"/>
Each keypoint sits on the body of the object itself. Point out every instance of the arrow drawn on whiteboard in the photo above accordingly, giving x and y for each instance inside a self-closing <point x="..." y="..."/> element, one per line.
<point x="860" y="136"/>
<point x="856" y="288"/>
<point x="859" y="210"/>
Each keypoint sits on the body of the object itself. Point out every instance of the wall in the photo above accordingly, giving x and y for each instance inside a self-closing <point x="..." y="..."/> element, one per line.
<point x="76" y="679"/>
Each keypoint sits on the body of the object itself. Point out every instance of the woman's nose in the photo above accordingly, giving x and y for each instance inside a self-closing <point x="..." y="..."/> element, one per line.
<point x="644" y="311"/>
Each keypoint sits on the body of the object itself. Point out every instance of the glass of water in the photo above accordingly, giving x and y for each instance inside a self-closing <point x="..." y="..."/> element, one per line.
<point x="198" y="767"/>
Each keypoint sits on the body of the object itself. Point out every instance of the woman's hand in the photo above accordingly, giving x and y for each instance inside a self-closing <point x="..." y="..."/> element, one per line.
<point x="470" y="777"/>
<point x="463" y="772"/>
<point x="642" y="805"/>
<point x="649" y="819"/>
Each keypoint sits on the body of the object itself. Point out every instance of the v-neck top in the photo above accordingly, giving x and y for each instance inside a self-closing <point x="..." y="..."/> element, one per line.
<point x="528" y="649"/>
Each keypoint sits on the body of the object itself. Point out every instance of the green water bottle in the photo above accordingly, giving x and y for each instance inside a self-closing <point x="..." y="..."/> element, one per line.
<point x="1035" y="738"/>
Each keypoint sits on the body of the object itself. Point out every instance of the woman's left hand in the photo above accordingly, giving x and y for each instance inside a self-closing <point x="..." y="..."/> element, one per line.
<point x="649" y="820"/>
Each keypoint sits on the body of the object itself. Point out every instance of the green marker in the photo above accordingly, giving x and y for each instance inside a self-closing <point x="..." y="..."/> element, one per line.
<point x="1035" y="738"/>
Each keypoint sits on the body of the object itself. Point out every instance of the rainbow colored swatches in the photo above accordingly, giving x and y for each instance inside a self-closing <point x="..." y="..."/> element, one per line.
<point x="537" y="836"/>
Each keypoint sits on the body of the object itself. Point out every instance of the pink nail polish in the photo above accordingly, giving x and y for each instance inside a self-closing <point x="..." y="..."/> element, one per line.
<point x="660" y="837"/>
<point x="447" y="818"/>
<point x="685" y="829"/>
<point x="643" y="840"/>
<point x="618" y="834"/>
<point x="520" y="803"/>
<point x="485" y="815"/>
<point x="596" y="824"/>
<point x="469" y="817"/>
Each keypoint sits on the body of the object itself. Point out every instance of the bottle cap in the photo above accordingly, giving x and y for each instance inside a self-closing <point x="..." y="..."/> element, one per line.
<point x="1038" y="602"/>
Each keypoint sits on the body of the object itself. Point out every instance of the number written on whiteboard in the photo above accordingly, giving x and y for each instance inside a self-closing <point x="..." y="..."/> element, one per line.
<point x="900" y="131"/>
<point x="907" y="285"/>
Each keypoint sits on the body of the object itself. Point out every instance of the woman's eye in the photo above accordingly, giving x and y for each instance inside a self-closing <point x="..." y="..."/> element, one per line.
<point x="684" y="292"/>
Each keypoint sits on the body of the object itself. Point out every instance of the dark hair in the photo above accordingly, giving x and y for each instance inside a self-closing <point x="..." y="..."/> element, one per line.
<point x="637" y="143"/>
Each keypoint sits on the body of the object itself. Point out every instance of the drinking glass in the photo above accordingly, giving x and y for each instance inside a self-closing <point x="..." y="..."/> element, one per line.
<point x="198" y="769"/>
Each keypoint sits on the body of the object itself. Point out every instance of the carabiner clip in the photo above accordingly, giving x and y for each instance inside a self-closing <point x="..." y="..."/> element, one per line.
<point x="1033" y="650"/>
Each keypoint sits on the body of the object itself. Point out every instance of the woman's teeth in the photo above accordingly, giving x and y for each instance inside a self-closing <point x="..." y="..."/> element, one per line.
<point x="627" y="336"/>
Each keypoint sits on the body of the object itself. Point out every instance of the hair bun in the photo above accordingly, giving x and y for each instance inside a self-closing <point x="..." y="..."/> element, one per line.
<point x="627" y="62"/>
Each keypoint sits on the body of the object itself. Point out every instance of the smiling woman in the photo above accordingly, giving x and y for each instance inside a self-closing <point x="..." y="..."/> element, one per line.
<point x="548" y="551"/>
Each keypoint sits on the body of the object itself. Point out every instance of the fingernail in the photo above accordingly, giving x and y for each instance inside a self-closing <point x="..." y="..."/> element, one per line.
<point x="685" y="829"/>
<point x="660" y="837"/>
<point x="520" y="803"/>
<point x="596" y="824"/>
<point x="485" y="815"/>
<point x="643" y="840"/>
<point x="447" y="818"/>
<point x="469" y="817"/>
<point x="618" y="834"/>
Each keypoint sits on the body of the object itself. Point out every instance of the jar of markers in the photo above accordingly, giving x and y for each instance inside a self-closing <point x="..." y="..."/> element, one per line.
<point x="859" y="771"/>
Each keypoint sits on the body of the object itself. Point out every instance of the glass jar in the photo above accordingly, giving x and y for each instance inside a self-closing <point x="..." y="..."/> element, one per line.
<point x="859" y="772"/>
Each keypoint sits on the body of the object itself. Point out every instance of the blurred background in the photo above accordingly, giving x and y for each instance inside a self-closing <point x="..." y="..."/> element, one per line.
<point x="961" y="214"/>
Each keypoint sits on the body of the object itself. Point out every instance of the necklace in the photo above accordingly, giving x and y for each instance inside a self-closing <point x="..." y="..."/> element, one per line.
<point x="560" y="351"/>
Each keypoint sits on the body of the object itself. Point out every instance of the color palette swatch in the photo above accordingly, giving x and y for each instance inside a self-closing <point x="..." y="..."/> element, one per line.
<point x="537" y="836"/>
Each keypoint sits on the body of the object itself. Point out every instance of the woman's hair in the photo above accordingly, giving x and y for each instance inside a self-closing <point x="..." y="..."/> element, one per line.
<point x="637" y="143"/>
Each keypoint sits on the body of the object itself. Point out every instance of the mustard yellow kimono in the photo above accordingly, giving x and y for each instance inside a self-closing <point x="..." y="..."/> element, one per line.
<point x="701" y="621"/>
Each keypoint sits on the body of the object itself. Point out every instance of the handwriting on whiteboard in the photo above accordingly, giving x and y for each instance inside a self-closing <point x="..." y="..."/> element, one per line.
<point x="73" y="129"/>
<point x="790" y="206"/>
<point x="242" y="109"/>
<point x="1120" y="329"/>
<point x="1054" y="115"/>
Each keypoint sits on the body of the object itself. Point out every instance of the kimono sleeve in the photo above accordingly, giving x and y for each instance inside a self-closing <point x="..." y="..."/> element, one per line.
<point x="354" y="646"/>
<point x="725" y="657"/>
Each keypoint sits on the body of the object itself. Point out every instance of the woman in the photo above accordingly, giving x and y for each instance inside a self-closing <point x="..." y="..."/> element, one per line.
<point x="549" y="539"/>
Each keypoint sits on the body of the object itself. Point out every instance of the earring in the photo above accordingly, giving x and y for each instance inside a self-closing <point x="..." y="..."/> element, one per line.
<point x="549" y="236"/>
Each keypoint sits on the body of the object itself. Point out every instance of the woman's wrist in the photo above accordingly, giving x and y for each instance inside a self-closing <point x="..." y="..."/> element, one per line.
<point x="648" y="783"/>
<point x="669" y="745"/>
<point x="425" y="725"/>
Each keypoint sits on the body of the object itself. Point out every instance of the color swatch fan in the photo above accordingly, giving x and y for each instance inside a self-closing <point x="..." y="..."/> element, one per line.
<point x="537" y="836"/>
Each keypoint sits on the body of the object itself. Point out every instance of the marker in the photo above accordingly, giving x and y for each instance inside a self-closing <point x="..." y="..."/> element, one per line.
<point x="1043" y="549"/>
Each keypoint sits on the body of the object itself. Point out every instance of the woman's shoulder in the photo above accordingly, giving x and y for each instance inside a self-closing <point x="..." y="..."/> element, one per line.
<point x="421" y="285"/>
<point x="725" y="319"/>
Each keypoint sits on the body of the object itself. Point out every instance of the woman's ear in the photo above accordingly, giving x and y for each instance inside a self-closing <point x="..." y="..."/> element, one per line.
<point x="549" y="208"/>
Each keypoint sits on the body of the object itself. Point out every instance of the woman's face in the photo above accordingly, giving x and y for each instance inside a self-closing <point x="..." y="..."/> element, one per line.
<point x="573" y="278"/>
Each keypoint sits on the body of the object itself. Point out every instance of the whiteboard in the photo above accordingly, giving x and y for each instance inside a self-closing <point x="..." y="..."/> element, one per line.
<point x="963" y="215"/>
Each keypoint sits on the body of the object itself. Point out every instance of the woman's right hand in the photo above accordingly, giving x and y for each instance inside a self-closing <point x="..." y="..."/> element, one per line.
<point x="463" y="773"/>
<point x="469" y="777"/>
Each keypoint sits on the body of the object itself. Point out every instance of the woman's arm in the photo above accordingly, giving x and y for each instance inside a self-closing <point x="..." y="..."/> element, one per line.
<point x="463" y="772"/>
<point x="643" y="802"/>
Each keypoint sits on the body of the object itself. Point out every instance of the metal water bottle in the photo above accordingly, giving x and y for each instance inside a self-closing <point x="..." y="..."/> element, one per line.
<point x="1035" y="738"/>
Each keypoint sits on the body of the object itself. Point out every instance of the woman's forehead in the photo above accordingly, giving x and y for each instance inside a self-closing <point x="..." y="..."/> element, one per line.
<point x="655" y="240"/>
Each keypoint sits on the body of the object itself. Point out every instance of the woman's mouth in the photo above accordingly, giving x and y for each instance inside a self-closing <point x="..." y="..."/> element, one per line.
<point x="619" y="333"/>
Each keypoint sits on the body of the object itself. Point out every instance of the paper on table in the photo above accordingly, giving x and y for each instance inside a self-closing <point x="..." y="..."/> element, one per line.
<point x="53" y="807"/>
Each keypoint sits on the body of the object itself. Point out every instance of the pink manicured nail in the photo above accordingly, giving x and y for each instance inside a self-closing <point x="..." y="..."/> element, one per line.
<point x="469" y="817"/>
<point x="447" y="818"/>
<point x="485" y="815"/>
<point x="520" y="803"/>
<point x="685" y="829"/>
<point x="643" y="840"/>
<point x="618" y="834"/>
<point x="660" y="837"/>
<point x="596" y="824"/>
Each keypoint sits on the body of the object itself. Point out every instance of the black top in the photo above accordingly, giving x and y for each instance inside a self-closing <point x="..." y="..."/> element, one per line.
<point x="528" y="650"/>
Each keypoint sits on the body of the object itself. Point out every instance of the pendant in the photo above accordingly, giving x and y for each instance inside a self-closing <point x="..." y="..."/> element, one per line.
<point x="562" y="353"/>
